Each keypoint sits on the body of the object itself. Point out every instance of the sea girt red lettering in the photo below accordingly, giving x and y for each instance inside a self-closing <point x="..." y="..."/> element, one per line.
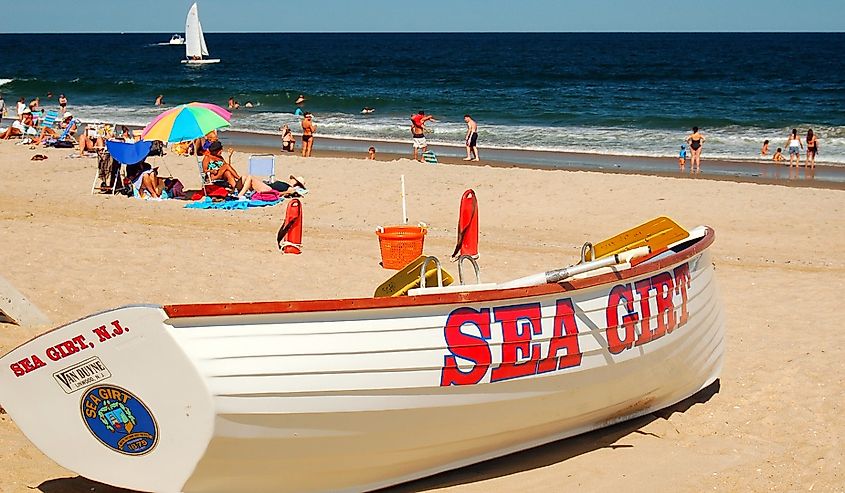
<point x="633" y="319"/>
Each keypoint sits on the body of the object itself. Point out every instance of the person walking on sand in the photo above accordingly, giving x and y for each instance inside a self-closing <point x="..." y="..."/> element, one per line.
<point x="794" y="145"/>
<point x="695" y="141"/>
<point x="308" y="129"/>
<point x="471" y="139"/>
<point x="418" y="133"/>
<point x="812" y="149"/>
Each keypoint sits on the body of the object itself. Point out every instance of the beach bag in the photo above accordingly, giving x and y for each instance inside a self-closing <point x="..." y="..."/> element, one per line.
<point x="63" y="144"/>
<point x="269" y="196"/>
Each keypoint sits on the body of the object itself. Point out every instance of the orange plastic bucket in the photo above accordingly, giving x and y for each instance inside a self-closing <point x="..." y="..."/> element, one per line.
<point x="400" y="245"/>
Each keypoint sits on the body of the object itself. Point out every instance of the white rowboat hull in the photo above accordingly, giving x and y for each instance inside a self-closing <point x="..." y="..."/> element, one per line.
<point x="202" y="62"/>
<point x="353" y="395"/>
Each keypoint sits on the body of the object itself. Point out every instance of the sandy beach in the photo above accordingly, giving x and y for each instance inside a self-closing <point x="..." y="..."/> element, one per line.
<point x="773" y="423"/>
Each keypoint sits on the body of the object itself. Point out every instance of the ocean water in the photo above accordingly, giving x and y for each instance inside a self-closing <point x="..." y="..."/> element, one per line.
<point x="626" y="94"/>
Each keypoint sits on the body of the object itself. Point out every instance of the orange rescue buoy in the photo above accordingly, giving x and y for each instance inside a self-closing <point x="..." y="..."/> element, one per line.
<point x="289" y="236"/>
<point x="467" y="226"/>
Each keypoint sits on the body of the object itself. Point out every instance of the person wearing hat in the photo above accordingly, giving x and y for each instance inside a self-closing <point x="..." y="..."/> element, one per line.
<point x="217" y="168"/>
<point x="285" y="189"/>
<point x="21" y="127"/>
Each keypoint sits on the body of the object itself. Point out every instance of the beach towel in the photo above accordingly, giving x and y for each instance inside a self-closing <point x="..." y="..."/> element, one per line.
<point x="429" y="157"/>
<point x="232" y="205"/>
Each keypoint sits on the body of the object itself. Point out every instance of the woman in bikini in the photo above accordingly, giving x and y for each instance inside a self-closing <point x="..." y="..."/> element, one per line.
<point x="695" y="141"/>
<point x="218" y="168"/>
<point x="812" y="149"/>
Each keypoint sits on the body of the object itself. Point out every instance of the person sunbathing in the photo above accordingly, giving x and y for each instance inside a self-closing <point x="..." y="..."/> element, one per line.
<point x="90" y="140"/>
<point x="20" y="127"/>
<point x="145" y="182"/>
<point x="218" y="168"/>
<point x="285" y="189"/>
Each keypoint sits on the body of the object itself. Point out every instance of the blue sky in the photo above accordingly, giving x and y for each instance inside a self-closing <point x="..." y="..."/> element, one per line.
<point x="425" y="15"/>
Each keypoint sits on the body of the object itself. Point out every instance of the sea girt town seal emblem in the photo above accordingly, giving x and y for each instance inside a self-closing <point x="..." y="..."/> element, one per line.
<point x="119" y="420"/>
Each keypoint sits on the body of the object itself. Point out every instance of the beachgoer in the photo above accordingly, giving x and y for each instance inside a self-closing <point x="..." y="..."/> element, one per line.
<point x="218" y="168"/>
<point x="288" y="140"/>
<point x="778" y="157"/>
<point x="49" y="94"/>
<point x="298" y="112"/>
<point x="418" y="133"/>
<point x="91" y="140"/>
<point x="248" y="104"/>
<point x="62" y="103"/>
<point x="367" y="110"/>
<point x="812" y="149"/>
<point x="794" y="145"/>
<point x="300" y="99"/>
<point x="371" y="153"/>
<point x="764" y="151"/>
<point x="308" y="129"/>
<point x="682" y="158"/>
<point x="471" y="139"/>
<point x="21" y="127"/>
<point x="232" y="103"/>
<point x="146" y="182"/>
<point x="285" y="189"/>
<point x="2" y="106"/>
<point x="34" y="105"/>
<point x="160" y="100"/>
<point x="695" y="141"/>
<point x="21" y="107"/>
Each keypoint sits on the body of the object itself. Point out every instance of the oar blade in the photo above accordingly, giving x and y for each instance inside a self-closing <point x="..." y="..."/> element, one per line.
<point x="657" y="234"/>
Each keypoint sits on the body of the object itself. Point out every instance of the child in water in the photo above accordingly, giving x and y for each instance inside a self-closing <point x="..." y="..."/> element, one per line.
<point x="682" y="157"/>
<point x="778" y="157"/>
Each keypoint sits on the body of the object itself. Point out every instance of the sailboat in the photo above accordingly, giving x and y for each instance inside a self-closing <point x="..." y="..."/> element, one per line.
<point x="195" y="48"/>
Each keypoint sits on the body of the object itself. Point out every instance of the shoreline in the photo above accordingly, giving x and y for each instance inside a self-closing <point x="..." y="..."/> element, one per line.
<point x="764" y="173"/>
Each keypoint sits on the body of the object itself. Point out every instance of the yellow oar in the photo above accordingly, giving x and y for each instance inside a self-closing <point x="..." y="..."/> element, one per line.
<point x="657" y="234"/>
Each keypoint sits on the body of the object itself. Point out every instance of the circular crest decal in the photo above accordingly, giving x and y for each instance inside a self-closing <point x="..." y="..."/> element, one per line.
<point x="119" y="420"/>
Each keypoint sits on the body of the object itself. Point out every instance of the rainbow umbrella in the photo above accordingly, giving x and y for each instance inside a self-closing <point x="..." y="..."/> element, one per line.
<point x="186" y="122"/>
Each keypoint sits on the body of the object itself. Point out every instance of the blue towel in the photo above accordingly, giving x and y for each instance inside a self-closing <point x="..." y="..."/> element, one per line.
<point x="207" y="203"/>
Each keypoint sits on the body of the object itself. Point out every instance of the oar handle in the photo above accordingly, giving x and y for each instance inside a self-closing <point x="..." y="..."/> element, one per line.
<point x="555" y="276"/>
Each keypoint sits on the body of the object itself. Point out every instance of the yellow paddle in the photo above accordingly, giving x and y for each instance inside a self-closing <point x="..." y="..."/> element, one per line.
<point x="656" y="234"/>
<point x="409" y="278"/>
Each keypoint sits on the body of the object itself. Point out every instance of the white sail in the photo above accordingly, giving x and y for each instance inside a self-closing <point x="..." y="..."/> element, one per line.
<point x="203" y="48"/>
<point x="194" y="45"/>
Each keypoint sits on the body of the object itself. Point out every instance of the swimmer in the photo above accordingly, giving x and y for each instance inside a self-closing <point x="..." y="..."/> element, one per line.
<point x="367" y="110"/>
<point x="248" y="104"/>
<point x="160" y="100"/>
<point x="300" y="99"/>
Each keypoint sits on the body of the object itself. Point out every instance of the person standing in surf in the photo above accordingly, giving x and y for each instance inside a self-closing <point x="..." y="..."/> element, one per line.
<point x="62" y="104"/>
<point x="695" y="141"/>
<point x="471" y="139"/>
<point x="308" y="129"/>
<point x="812" y="149"/>
<point x="418" y="133"/>
<point x="794" y="145"/>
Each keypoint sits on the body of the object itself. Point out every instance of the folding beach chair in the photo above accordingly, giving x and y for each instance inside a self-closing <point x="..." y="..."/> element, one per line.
<point x="49" y="119"/>
<point x="262" y="165"/>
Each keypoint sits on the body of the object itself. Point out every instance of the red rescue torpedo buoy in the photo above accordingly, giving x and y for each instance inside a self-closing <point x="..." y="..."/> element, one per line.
<point x="467" y="226"/>
<point x="289" y="236"/>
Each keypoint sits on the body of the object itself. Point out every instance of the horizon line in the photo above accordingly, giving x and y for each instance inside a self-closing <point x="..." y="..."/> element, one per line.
<point x="433" y="32"/>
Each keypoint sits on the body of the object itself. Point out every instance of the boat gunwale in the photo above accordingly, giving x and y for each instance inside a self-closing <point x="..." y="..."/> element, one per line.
<point x="347" y="304"/>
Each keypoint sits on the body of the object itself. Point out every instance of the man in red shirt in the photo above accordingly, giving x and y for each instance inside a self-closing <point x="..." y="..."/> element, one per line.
<point x="418" y="133"/>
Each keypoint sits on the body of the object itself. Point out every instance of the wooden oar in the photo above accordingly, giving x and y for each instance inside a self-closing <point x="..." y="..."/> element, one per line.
<point x="657" y="234"/>
<point x="559" y="275"/>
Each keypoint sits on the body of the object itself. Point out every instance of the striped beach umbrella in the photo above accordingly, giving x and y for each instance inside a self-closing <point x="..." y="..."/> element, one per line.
<point x="186" y="122"/>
